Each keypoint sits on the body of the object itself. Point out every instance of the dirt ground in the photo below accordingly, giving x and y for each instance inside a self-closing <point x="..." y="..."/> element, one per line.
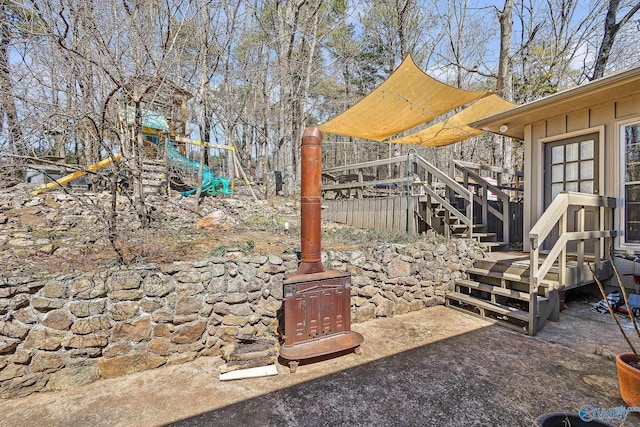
<point x="58" y="232"/>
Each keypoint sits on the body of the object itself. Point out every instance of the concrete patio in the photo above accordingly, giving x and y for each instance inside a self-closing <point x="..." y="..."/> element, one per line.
<point x="434" y="367"/>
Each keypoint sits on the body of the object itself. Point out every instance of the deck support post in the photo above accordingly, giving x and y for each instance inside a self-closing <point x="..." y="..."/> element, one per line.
<point x="554" y="303"/>
<point x="533" y="312"/>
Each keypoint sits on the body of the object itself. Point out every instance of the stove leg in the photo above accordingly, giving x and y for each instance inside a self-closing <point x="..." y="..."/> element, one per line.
<point x="293" y="365"/>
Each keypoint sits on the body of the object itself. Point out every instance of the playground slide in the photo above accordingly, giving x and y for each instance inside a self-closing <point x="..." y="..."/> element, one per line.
<point x="75" y="175"/>
<point x="210" y="181"/>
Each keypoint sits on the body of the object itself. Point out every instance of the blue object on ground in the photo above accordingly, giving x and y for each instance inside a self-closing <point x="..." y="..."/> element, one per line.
<point x="634" y="303"/>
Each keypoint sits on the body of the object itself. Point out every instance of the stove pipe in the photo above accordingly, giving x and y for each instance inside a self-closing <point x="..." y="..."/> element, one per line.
<point x="310" y="202"/>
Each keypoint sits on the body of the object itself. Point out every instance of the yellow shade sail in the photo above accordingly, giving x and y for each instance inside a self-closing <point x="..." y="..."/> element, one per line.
<point x="407" y="98"/>
<point x="456" y="128"/>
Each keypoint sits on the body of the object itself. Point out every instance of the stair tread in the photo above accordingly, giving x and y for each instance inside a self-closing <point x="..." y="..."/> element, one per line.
<point x="487" y="305"/>
<point x="460" y="229"/>
<point x="477" y="233"/>
<point x="494" y="243"/>
<point x="475" y="226"/>
<point x="489" y="244"/>
<point x="497" y="290"/>
<point x="499" y="275"/>
<point x="524" y="278"/>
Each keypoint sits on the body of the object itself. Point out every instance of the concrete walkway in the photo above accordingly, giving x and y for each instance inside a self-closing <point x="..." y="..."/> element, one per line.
<point x="435" y="367"/>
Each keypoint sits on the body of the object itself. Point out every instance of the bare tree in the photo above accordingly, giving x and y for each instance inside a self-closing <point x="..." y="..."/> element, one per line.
<point x="611" y="29"/>
<point x="293" y="27"/>
<point x="504" y="78"/>
<point x="8" y="113"/>
<point x="461" y="56"/>
<point x="262" y="70"/>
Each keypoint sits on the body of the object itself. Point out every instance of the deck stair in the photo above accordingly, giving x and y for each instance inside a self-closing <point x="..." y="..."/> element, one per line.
<point x="488" y="241"/>
<point x="445" y="218"/>
<point x="456" y="205"/>
<point x="498" y="290"/>
<point x="409" y="194"/>
<point x="523" y="293"/>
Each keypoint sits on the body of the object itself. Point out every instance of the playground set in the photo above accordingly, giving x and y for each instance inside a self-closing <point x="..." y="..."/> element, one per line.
<point x="167" y="149"/>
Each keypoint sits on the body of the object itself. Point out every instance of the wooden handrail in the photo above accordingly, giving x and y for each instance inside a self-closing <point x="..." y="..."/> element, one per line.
<point x="558" y="208"/>
<point x="478" y="166"/>
<point x="373" y="163"/>
<point x="451" y="186"/>
<point x="557" y="215"/>
<point x="362" y="184"/>
<point x="458" y="189"/>
<point x="486" y="186"/>
<point x="548" y="220"/>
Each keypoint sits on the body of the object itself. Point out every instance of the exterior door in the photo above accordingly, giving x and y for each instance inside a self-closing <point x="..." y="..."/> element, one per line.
<point x="572" y="165"/>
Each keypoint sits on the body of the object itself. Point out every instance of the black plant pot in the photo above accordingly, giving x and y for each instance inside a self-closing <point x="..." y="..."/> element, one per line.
<point x="559" y="419"/>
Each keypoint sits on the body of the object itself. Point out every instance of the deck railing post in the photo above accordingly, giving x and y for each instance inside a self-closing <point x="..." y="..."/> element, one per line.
<point x="470" y="216"/>
<point x="506" y="220"/>
<point x="562" y="262"/>
<point x="580" y="243"/>
<point x="533" y="313"/>
<point x="533" y="287"/>
<point x="485" y="201"/>
<point x="599" y="247"/>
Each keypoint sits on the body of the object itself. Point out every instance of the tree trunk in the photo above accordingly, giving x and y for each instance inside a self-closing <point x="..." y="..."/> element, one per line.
<point x="203" y="122"/>
<point x="15" y="143"/>
<point x="138" y="189"/>
<point x="504" y="84"/>
<point x="611" y="28"/>
<point x="287" y="17"/>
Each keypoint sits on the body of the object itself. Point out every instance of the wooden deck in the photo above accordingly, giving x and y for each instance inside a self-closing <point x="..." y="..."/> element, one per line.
<point x="500" y="288"/>
<point x="577" y="275"/>
<point x="407" y="194"/>
<point x="572" y="236"/>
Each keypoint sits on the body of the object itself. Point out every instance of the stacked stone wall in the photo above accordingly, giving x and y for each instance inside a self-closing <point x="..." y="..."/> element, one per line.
<point x="66" y="330"/>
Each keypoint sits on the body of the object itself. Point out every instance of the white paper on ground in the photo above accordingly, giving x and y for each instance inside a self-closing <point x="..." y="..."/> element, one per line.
<point x="260" y="371"/>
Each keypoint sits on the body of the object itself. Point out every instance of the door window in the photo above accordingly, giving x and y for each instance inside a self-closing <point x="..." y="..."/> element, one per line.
<point x="572" y="165"/>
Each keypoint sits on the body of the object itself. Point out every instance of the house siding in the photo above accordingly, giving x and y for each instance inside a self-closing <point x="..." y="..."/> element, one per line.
<point x="578" y="120"/>
<point x="602" y="117"/>
<point x="627" y="107"/>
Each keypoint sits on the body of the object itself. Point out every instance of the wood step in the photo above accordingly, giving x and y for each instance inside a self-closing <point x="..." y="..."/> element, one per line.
<point x="512" y="277"/>
<point x="476" y="227"/>
<point x="500" y="309"/>
<point x="439" y="212"/>
<point x="491" y="245"/>
<point x="480" y="236"/>
<point x="519" y="264"/>
<point x="499" y="275"/>
<point x="497" y="290"/>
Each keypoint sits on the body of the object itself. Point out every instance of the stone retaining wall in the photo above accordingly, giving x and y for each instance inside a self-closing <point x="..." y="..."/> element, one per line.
<point x="68" y="330"/>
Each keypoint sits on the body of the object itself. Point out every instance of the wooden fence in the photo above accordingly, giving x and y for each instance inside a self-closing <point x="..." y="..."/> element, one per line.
<point x="387" y="213"/>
